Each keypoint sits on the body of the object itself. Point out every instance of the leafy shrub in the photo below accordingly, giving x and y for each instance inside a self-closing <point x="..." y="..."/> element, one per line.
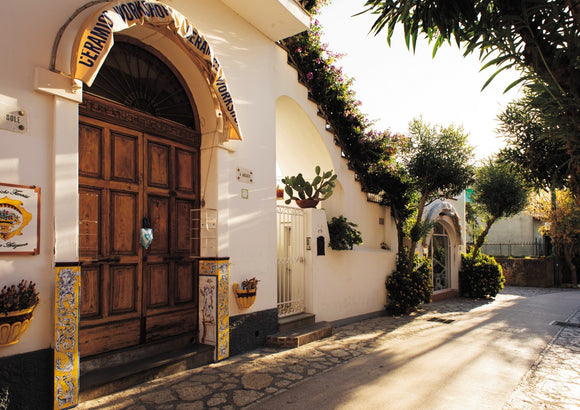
<point x="480" y="276"/>
<point x="408" y="288"/>
<point x="343" y="234"/>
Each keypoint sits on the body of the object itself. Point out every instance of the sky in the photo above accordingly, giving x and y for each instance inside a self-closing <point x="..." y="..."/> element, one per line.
<point x="396" y="85"/>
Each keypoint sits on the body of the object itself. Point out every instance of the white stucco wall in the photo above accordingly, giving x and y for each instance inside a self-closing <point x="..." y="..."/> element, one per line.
<point x="46" y="154"/>
<point x="345" y="284"/>
<point x="267" y="96"/>
<point x="341" y="284"/>
<point x="518" y="228"/>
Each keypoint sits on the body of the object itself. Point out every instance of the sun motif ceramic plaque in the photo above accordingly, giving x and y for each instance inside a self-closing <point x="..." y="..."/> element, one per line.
<point x="19" y="219"/>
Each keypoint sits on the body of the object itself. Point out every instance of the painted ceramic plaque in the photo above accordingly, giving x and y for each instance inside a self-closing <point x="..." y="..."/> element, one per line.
<point x="19" y="219"/>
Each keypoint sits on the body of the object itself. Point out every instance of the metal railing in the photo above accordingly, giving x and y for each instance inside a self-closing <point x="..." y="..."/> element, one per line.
<point x="536" y="248"/>
<point x="290" y="261"/>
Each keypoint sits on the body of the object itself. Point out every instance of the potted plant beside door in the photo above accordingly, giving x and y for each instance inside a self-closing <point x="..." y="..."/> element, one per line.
<point x="246" y="293"/>
<point x="308" y="194"/>
<point x="17" y="303"/>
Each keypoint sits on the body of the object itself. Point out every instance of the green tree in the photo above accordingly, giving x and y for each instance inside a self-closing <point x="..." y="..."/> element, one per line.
<point x="500" y="192"/>
<point x="408" y="172"/>
<point x="562" y="224"/>
<point x="386" y="177"/>
<point x="439" y="162"/>
<point x="527" y="131"/>
<point x="541" y="38"/>
<point x="473" y="217"/>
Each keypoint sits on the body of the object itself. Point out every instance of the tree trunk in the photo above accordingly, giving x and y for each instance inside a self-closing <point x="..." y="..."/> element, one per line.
<point x="481" y="238"/>
<point x="568" y="255"/>
<point x="420" y="210"/>
<point x="399" y="226"/>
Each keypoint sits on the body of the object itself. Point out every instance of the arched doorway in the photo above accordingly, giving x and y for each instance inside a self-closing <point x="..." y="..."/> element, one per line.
<point x="138" y="164"/>
<point x="439" y="253"/>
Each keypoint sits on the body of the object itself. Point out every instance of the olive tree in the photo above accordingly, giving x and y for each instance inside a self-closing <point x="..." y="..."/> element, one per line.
<point x="500" y="192"/>
<point x="439" y="162"/>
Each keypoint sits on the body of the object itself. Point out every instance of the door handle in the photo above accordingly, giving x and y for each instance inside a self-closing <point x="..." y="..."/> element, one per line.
<point x="110" y="259"/>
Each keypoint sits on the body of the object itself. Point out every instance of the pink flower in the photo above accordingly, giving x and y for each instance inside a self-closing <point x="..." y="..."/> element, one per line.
<point x="310" y="75"/>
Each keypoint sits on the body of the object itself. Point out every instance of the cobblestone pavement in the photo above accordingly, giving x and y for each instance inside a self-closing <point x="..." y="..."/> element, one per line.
<point x="552" y="382"/>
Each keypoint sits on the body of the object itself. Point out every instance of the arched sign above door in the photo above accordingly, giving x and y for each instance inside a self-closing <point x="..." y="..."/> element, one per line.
<point x="95" y="39"/>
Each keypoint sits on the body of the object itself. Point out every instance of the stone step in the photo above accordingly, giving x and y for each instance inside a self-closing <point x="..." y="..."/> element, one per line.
<point x="116" y="377"/>
<point x="295" y="321"/>
<point x="300" y="336"/>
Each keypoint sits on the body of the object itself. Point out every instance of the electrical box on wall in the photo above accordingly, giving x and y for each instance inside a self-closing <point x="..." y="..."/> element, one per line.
<point x="204" y="238"/>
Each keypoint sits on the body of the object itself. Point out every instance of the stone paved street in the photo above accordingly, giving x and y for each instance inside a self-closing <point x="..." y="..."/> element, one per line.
<point x="255" y="377"/>
<point x="553" y="382"/>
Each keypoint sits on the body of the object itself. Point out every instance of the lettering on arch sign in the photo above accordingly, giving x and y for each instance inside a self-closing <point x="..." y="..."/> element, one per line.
<point x="95" y="39"/>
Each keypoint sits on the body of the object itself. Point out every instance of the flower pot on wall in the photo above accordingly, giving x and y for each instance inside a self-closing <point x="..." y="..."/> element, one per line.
<point x="307" y="203"/>
<point x="245" y="298"/>
<point x="14" y="324"/>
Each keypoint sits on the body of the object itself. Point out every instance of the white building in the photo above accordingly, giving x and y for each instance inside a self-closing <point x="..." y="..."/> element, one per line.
<point x="183" y="128"/>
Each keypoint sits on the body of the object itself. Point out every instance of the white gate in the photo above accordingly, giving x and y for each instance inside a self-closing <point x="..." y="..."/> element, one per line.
<point x="291" y="271"/>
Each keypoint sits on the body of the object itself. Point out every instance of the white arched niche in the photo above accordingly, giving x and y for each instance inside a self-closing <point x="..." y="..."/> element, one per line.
<point x="299" y="145"/>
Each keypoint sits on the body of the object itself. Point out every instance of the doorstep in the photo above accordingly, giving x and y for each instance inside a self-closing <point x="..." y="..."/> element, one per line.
<point x="300" y="336"/>
<point x="445" y="294"/>
<point x="109" y="373"/>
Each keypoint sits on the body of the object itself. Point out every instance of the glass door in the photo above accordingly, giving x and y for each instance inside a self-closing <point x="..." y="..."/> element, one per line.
<point x="439" y="254"/>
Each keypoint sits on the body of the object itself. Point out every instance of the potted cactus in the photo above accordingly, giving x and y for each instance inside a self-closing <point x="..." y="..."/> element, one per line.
<point x="308" y="194"/>
<point x="17" y="303"/>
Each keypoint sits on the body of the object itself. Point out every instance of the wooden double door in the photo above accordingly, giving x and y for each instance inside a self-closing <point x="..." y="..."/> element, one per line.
<point x="131" y="295"/>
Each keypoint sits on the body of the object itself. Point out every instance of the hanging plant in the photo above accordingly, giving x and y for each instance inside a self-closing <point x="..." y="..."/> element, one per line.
<point x="245" y="294"/>
<point x="17" y="303"/>
<point x="343" y="234"/>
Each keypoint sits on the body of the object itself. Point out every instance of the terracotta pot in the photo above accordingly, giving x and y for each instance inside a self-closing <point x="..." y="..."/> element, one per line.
<point x="245" y="298"/>
<point x="14" y="324"/>
<point x="307" y="203"/>
<point x="279" y="193"/>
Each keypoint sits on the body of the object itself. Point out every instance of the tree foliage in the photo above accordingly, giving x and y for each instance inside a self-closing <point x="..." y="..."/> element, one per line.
<point x="530" y="147"/>
<point x="408" y="288"/>
<point x="343" y="234"/>
<point x="540" y="38"/>
<point x="439" y="162"/>
<point x="562" y="223"/>
<point x="386" y="177"/>
<point x="480" y="276"/>
<point x="500" y="192"/>
<point x="409" y="172"/>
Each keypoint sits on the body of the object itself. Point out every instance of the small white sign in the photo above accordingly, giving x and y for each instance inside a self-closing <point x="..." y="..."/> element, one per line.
<point x="245" y="175"/>
<point x="12" y="118"/>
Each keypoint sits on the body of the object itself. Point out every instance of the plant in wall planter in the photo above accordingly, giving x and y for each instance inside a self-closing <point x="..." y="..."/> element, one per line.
<point x="245" y="294"/>
<point x="279" y="192"/>
<point x="17" y="303"/>
<point x="308" y="194"/>
<point x="343" y="234"/>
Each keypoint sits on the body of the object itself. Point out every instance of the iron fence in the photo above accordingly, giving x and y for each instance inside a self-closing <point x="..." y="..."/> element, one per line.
<point x="538" y="247"/>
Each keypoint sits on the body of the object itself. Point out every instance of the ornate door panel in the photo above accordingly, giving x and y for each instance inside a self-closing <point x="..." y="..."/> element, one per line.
<point x="171" y="186"/>
<point x="132" y="295"/>
<point x="109" y="205"/>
